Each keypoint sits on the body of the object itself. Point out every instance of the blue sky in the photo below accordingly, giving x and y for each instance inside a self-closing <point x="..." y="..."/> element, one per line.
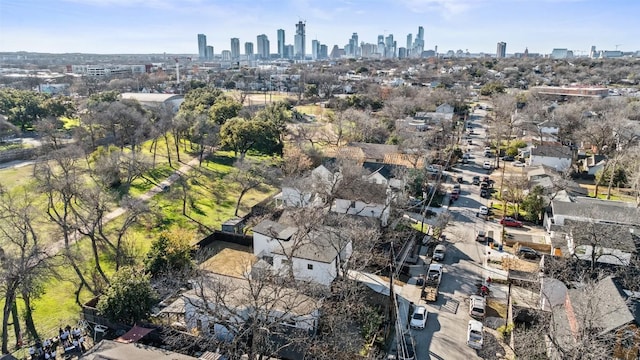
<point x="157" y="26"/>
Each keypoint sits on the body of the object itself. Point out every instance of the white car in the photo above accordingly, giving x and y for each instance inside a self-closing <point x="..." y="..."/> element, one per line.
<point x="474" y="334"/>
<point x="419" y="318"/>
<point x="484" y="210"/>
<point x="518" y="164"/>
<point x="438" y="252"/>
<point x="476" y="306"/>
<point x="486" y="165"/>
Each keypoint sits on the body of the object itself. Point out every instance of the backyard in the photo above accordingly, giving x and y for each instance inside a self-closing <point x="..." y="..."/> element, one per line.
<point x="211" y="200"/>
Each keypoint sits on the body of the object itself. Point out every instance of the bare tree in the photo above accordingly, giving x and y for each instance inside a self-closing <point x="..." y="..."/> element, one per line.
<point x="60" y="179"/>
<point x="248" y="175"/>
<point x="23" y="258"/>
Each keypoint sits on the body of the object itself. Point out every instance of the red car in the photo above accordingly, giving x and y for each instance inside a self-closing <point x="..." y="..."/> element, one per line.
<point x="511" y="222"/>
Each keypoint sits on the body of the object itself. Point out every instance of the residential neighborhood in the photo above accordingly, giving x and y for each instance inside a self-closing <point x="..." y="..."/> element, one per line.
<point x="436" y="206"/>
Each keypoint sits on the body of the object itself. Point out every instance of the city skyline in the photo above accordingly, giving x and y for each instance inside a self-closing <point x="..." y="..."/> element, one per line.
<point x="157" y="26"/>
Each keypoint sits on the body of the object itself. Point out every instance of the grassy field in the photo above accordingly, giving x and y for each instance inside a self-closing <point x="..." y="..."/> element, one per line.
<point x="211" y="201"/>
<point x="315" y="110"/>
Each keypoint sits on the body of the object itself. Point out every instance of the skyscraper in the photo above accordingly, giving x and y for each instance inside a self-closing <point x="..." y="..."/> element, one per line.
<point x="248" y="50"/>
<point x="501" y="50"/>
<point x="390" y="46"/>
<point x="263" y="47"/>
<point x="209" y="55"/>
<point x="299" y="41"/>
<point x="315" y="49"/>
<point x="409" y="44"/>
<point x="418" y="45"/>
<point x="202" y="46"/>
<point x="235" y="49"/>
<point x="281" y="43"/>
<point x="354" y="46"/>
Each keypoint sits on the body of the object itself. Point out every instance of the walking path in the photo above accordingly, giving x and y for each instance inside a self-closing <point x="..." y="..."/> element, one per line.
<point x="113" y="214"/>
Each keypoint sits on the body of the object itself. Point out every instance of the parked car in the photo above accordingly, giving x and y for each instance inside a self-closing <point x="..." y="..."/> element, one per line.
<point x="510" y="222"/>
<point x="469" y="142"/>
<point x="466" y="156"/>
<point x="484" y="185"/>
<point x="487" y="148"/>
<point x="518" y="163"/>
<point x="486" y="165"/>
<point x="476" y="180"/>
<point x="419" y="318"/>
<point x="484" y="193"/>
<point x="477" y="306"/>
<point x="527" y="253"/>
<point x="409" y="345"/>
<point x="474" y="334"/>
<point x="438" y="252"/>
<point x="459" y="179"/>
<point x="508" y="158"/>
<point x="481" y="236"/>
<point x="483" y="210"/>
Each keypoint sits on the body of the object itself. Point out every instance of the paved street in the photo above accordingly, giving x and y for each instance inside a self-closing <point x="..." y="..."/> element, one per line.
<point x="465" y="264"/>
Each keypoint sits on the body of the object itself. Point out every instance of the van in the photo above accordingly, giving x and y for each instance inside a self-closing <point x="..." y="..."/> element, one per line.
<point x="477" y="306"/>
<point x="481" y="236"/>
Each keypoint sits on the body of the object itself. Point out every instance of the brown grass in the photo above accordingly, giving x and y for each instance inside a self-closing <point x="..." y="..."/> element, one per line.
<point x="229" y="259"/>
<point x="496" y="308"/>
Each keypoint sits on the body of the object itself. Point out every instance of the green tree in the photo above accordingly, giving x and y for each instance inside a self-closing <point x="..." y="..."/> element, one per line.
<point x="128" y="298"/>
<point x="224" y="109"/>
<point x="492" y="88"/>
<point x="171" y="252"/>
<point x="242" y="135"/>
<point x="533" y="204"/>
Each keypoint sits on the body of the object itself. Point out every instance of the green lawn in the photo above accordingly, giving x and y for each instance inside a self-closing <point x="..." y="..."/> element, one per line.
<point x="211" y="202"/>
<point x="11" y="178"/>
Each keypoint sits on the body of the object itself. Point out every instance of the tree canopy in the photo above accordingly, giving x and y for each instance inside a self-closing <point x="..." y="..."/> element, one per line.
<point x="129" y="298"/>
<point x="25" y="107"/>
<point x="171" y="252"/>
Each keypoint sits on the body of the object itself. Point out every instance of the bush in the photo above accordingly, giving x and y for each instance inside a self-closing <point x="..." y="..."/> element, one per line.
<point x="128" y="298"/>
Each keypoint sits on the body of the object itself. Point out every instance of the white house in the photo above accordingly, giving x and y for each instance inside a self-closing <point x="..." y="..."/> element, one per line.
<point x="316" y="256"/>
<point x="445" y="109"/>
<point x="218" y="304"/>
<point x="606" y="243"/>
<point x="371" y="199"/>
<point x="549" y="131"/>
<point x="556" y="157"/>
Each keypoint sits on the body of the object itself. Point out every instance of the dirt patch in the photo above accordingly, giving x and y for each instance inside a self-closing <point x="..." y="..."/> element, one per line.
<point x="496" y="308"/>
<point x="512" y="263"/>
<point x="229" y="259"/>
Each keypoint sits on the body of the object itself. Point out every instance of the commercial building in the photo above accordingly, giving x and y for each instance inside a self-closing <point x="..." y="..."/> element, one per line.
<point x="235" y="49"/>
<point x="248" y="50"/>
<point x="299" y="41"/>
<point x="263" y="47"/>
<point x="501" y="50"/>
<point x="202" y="46"/>
<point x="281" y="44"/>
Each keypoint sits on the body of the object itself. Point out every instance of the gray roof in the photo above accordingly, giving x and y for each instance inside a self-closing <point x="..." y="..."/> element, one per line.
<point x="274" y="230"/>
<point x="107" y="349"/>
<point x="615" y="212"/>
<point x="604" y="304"/>
<point x="317" y="245"/>
<point x="610" y="236"/>
<point x="375" y="151"/>
<point x="552" y="151"/>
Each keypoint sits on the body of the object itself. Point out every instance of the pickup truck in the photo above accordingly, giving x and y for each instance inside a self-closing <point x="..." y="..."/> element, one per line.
<point x="432" y="283"/>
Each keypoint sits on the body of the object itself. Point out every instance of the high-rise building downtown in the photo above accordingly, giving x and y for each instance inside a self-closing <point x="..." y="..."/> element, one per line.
<point x="248" y="50"/>
<point x="202" y="46"/>
<point x="299" y="41"/>
<point x="390" y="47"/>
<point x="315" y="49"/>
<point x="263" y="47"/>
<point x="353" y="45"/>
<point x="288" y="51"/>
<point x="501" y="50"/>
<point x="418" y="44"/>
<point x="281" y="43"/>
<point x="209" y="54"/>
<point x="409" y="44"/>
<point x="235" y="49"/>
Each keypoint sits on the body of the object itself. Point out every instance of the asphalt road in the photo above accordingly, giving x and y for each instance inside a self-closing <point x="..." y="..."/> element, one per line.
<point x="445" y="334"/>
